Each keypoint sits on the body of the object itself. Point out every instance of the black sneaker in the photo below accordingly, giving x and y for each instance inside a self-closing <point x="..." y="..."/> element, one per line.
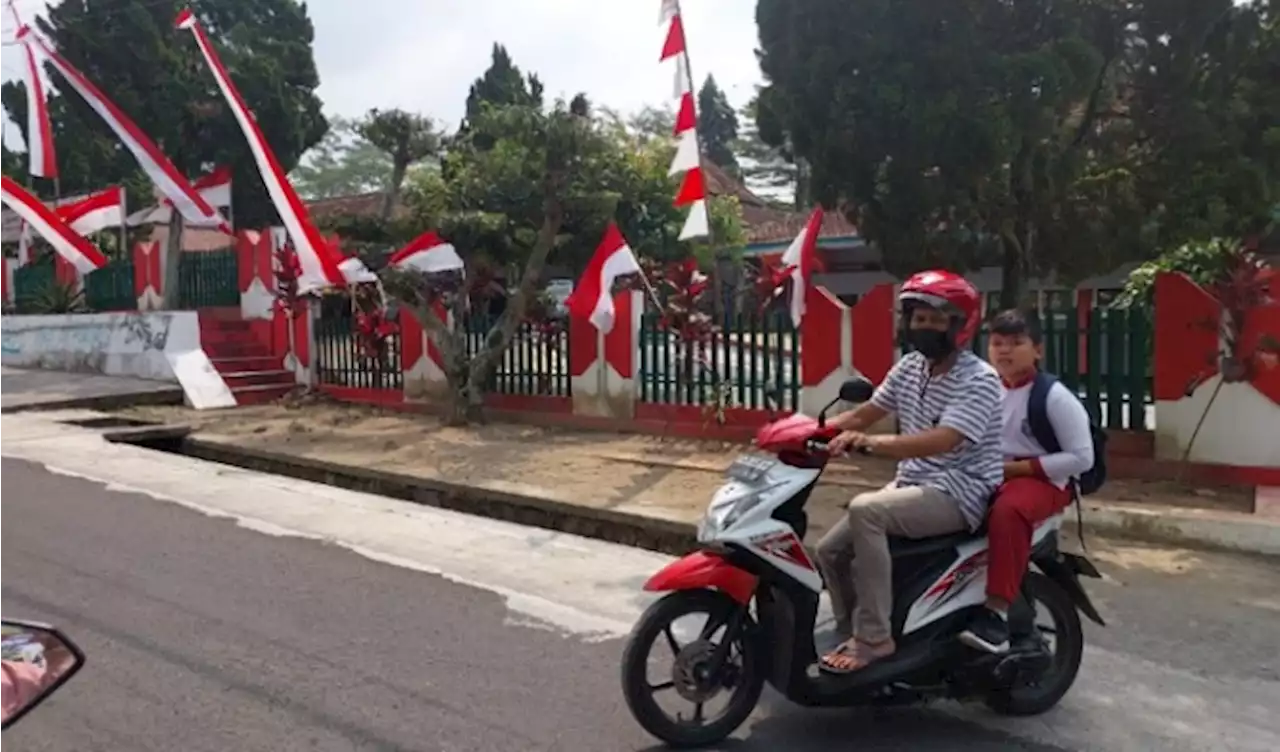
<point x="989" y="632"/>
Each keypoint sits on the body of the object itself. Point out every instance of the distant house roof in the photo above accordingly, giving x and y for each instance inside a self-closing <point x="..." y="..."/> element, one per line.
<point x="765" y="222"/>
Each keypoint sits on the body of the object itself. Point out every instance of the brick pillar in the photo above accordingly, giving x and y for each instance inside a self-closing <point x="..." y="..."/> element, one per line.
<point x="420" y="359"/>
<point x="838" y="343"/>
<point x="148" y="275"/>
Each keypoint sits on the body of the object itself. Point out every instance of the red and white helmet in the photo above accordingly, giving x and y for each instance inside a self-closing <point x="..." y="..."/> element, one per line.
<point x="948" y="292"/>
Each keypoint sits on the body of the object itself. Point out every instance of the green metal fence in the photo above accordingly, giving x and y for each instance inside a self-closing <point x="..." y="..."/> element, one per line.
<point x="755" y="360"/>
<point x="1107" y="361"/>
<point x="208" y="280"/>
<point x="535" y="364"/>
<point x="339" y="358"/>
<point x="31" y="281"/>
<point x="111" y="288"/>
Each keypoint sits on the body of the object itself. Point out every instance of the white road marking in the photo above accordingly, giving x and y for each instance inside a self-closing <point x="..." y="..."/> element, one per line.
<point x="592" y="589"/>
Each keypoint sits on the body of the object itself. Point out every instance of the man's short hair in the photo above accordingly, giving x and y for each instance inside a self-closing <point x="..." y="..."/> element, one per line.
<point x="1013" y="323"/>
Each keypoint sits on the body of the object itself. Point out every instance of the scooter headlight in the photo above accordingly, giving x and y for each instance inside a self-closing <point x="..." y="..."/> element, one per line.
<point x="725" y="513"/>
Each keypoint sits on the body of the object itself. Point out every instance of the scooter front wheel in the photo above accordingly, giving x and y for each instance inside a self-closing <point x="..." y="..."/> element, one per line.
<point x="696" y="674"/>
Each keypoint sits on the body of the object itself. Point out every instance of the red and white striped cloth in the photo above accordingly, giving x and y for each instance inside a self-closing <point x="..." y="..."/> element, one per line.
<point x="429" y="254"/>
<point x="152" y="161"/>
<point x="95" y="212"/>
<point x="318" y="261"/>
<point x="214" y="187"/>
<point x="688" y="158"/>
<point x="69" y="244"/>
<point x="40" y="150"/>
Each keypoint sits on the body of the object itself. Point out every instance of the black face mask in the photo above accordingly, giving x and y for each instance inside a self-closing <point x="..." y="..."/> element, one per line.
<point x="931" y="343"/>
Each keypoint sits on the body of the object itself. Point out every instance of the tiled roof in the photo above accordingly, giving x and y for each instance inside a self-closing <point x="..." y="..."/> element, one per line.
<point x="763" y="222"/>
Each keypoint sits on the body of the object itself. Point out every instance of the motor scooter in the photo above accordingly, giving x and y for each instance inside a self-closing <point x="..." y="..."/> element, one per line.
<point x="759" y="589"/>
<point x="36" y="660"/>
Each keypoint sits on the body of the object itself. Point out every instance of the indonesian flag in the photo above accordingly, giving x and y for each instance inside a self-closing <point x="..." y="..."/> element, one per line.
<point x="152" y="161"/>
<point x="215" y="188"/>
<point x="39" y="128"/>
<point x="95" y="212"/>
<point x="71" y="246"/>
<point x="319" y="268"/>
<point x="429" y="254"/>
<point x="801" y="260"/>
<point x="592" y="299"/>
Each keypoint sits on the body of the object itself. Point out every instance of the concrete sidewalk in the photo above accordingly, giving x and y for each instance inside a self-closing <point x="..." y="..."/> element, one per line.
<point x="639" y="483"/>
<point x="25" y="389"/>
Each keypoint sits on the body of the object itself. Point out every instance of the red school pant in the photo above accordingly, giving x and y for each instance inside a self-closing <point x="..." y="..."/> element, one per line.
<point x="1020" y="505"/>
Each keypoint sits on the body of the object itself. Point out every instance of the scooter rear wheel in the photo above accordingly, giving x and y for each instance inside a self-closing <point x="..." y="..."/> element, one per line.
<point x="1024" y="699"/>
<point x="655" y="624"/>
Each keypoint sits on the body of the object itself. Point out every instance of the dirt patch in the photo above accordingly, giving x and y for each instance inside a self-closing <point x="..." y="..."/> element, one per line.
<point x="670" y="478"/>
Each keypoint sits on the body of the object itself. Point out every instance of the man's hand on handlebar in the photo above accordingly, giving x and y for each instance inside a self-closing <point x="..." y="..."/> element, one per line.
<point x="851" y="441"/>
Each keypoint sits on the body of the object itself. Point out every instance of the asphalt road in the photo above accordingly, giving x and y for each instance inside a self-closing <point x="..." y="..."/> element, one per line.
<point x="225" y="610"/>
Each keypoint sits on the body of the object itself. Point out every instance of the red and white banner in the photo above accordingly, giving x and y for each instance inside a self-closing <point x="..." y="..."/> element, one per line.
<point x="71" y="246"/>
<point x="152" y="161"/>
<point x="801" y="261"/>
<point x="39" y="128"/>
<point x="429" y="254"/>
<point x="94" y="212"/>
<point x="319" y="267"/>
<point x="688" y="157"/>
<point x="592" y="299"/>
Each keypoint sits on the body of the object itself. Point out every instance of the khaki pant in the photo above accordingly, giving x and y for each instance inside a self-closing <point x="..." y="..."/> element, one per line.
<point x="854" y="554"/>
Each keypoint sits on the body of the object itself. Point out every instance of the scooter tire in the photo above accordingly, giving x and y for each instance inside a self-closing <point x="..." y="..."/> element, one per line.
<point x="1022" y="701"/>
<point x="635" y="682"/>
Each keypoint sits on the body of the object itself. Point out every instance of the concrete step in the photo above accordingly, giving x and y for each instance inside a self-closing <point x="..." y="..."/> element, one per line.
<point x="236" y="349"/>
<point x="238" y="379"/>
<point x="260" y="393"/>
<point x="247" y="363"/>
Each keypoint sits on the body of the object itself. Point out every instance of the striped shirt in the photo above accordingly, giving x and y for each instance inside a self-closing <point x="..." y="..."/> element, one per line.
<point x="966" y="398"/>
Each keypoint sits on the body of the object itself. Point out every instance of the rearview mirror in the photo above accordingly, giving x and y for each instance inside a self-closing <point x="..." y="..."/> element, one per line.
<point x="856" y="390"/>
<point x="35" y="660"/>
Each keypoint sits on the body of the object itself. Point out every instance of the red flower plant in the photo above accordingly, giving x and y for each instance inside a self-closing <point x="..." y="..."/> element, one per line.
<point x="372" y="326"/>
<point x="287" y="273"/>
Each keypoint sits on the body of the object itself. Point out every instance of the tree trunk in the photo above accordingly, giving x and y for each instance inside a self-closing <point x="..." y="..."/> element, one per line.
<point x="1013" y="274"/>
<point x="171" y="295"/>
<point x="392" y="196"/>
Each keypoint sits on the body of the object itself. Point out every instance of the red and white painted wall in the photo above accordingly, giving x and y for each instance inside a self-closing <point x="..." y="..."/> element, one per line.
<point x="1242" y="426"/>
<point x="603" y="367"/>
<point x="421" y="360"/>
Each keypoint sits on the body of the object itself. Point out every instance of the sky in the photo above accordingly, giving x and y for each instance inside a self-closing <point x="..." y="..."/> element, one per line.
<point x="422" y="55"/>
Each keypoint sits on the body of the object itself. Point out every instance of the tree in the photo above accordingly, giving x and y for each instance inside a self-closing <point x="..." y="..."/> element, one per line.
<point x="344" y="163"/>
<point x="130" y="50"/>
<point x="503" y="84"/>
<point x="1019" y="133"/>
<point x="717" y="127"/>
<point x="770" y="168"/>
<point x="520" y="184"/>
<point x="404" y="137"/>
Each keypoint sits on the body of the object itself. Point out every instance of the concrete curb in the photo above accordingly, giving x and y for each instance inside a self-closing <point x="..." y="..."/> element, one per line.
<point x="105" y="402"/>
<point x="1183" y="527"/>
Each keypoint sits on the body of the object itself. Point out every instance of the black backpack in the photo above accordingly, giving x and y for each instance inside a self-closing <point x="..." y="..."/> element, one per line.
<point x="1038" y="420"/>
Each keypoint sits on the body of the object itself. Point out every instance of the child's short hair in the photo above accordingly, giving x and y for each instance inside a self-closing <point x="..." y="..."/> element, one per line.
<point x="1013" y="322"/>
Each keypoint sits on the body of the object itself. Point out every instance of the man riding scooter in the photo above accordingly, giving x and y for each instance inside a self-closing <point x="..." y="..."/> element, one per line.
<point x="947" y="401"/>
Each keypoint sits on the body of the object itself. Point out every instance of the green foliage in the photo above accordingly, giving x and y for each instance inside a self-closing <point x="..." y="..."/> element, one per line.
<point x="130" y="50"/>
<point x="717" y="127"/>
<point x="404" y="137"/>
<point x="487" y="196"/>
<point x="1043" y="136"/>
<point x="57" y="297"/>
<point x="503" y="84"/>
<point x="343" y="163"/>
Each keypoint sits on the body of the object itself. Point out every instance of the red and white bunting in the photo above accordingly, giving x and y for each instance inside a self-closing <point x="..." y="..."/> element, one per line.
<point x="152" y="161"/>
<point x="95" y="212"/>
<point x="214" y="187"/>
<point x="317" y="259"/>
<point x="44" y="164"/>
<point x="592" y="298"/>
<point x="688" y="156"/>
<point x="69" y="244"/>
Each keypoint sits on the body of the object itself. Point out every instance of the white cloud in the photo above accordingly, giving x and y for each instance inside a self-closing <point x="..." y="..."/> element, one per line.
<point x="423" y="56"/>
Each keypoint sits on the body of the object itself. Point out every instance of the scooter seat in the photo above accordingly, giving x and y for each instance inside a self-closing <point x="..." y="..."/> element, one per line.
<point x="917" y="546"/>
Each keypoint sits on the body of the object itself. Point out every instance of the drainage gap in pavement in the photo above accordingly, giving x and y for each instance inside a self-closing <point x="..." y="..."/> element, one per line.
<point x="108" y="421"/>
